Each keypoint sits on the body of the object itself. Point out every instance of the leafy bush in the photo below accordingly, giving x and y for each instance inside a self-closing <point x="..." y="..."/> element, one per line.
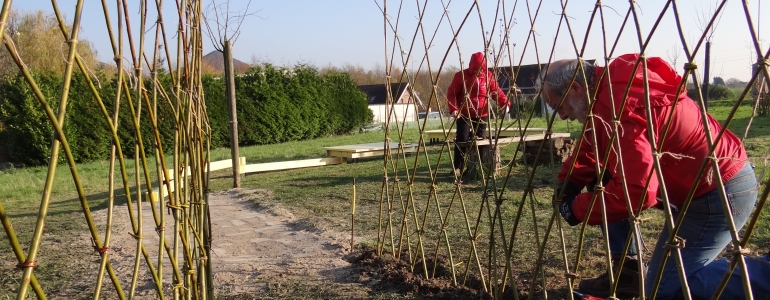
<point x="274" y="105"/>
<point x="716" y="92"/>
<point x="285" y="104"/>
<point x="720" y="92"/>
<point x="27" y="134"/>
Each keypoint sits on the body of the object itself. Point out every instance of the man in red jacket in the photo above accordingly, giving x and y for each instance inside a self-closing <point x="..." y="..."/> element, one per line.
<point x="684" y="148"/>
<point x="468" y="97"/>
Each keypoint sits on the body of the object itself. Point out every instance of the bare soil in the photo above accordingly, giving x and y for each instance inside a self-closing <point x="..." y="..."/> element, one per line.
<point x="265" y="252"/>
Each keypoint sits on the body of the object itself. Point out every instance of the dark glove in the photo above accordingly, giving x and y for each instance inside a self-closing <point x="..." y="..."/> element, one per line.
<point x="605" y="180"/>
<point x="570" y="190"/>
<point x="565" y="203"/>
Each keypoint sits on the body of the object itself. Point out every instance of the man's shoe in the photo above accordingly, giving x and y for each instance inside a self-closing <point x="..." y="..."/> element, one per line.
<point x="628" y="284"/>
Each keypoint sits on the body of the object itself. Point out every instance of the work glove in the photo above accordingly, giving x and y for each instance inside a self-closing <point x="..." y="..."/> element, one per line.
<point x="605" y="180"/>
<point x="564" y="204"/>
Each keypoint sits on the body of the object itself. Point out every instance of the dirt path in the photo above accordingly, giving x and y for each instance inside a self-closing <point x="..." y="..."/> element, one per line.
<point x="255" y="250"/>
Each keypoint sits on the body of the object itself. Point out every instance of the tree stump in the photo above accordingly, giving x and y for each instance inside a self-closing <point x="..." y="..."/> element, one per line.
<point x="488" y="155"/>
<point x="555" y="150"/>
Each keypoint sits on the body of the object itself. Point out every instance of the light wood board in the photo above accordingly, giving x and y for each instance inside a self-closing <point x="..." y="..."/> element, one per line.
<point x="293" y="164"/>
<point x="438" y="134"/>
<point x="526" y="138"/>
<point x="368" y="150"/>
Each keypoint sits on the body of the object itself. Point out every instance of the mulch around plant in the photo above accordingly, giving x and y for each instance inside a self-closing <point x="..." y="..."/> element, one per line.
<point x="387" y="274"/>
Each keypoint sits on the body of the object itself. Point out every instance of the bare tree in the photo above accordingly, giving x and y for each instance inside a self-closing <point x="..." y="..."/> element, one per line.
<point x="227" y="22"/>
<point x="673" y="56"/>
<point x="227" y="29"/>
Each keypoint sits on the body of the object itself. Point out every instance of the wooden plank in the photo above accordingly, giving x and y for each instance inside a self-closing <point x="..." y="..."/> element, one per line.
<point x="516" y="139"/>
<point x="155" y="193"/>
<point x="351" y="154"/>
<point x="222" y="164"/>
<point x="214" y="166"/>
<point x="294" y="164"/>
<point x="382" y="152"/>
<point x="367" y="147"/>
<point x="368" y="150"/>
<point x="438" y="134"/>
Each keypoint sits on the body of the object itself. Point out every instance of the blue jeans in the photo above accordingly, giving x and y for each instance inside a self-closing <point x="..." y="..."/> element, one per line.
<point x="617" y="234"/>
<point x="705" y="231"/>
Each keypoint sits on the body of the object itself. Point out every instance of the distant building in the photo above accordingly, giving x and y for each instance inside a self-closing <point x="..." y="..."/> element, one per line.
<point x="520" y="83"/>
<point x="402" y="98"/>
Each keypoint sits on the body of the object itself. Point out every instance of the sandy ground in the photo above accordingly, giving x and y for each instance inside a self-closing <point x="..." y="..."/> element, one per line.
<point x="254" y="248"/>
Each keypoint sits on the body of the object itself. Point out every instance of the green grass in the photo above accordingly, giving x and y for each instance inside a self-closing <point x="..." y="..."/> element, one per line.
<point x="321" y="197"/>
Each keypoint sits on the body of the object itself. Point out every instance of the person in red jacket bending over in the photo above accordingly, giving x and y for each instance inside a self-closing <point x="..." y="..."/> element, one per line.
<point x="468" y="97"/>
<point x="704" y="232"/>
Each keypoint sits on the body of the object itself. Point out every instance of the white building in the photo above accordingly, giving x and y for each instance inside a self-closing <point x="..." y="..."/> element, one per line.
<point x="401" y="97"/>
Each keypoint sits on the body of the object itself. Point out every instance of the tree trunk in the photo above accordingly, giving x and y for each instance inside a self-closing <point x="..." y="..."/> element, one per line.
<point x="489" y="155"/>
<point x="554" y="151"/>
<point x="706" y="77"/>
<point x="230" y="77"/>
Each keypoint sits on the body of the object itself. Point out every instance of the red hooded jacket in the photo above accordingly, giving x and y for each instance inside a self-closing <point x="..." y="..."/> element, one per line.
<point x="684" y="147"/>
<point x="470" y="89"/>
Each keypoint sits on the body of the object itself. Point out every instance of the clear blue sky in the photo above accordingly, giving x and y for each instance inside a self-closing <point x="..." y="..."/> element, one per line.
<point x="338" y="32"/>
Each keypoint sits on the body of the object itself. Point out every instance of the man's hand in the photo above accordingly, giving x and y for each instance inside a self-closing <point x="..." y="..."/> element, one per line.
<point x="454" y="114"/>
<point x="564" y="203"/>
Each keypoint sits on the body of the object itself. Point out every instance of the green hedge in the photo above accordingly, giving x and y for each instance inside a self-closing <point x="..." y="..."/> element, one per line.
<point x="285" y="104"/>
<point x="274" y="105"/>
<point x="716" y="92"/>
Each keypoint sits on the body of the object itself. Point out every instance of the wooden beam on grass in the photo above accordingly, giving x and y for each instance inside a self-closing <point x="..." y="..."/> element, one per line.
<point x="213" y="166"/>
<point x="293" y="164"/>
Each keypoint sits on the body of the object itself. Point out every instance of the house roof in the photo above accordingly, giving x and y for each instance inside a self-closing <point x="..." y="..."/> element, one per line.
<point x="378" y="94"/>
<point x="526" y="75"/>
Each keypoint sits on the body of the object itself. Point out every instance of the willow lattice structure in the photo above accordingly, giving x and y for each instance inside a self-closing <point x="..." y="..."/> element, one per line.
<point x="496" y="229"/>
<point x="187" y="251"/>
<point x="502" y="232"/>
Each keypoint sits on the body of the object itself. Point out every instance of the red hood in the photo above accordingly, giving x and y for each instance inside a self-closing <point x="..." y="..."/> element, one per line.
<point x="477" y="62"/>
<point x="661" y="77"/>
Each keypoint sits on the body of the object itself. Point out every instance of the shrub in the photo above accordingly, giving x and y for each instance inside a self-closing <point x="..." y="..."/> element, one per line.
<point x="720" y="92"/>
<point x="286" y="104"/>
<point x="274" y="105"/>
<point x="28" y="133"/>
<point x="716" y="92"/>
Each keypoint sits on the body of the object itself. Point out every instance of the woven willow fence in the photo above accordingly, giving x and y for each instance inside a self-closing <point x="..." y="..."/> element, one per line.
<point x="186" y="252"/>
<point x="500" y="233"/>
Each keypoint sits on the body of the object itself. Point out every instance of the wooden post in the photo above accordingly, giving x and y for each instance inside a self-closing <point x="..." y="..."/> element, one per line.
<point x="353" y="216"/>
<point x="230" y="77"/>
<point x="705" y="89"/>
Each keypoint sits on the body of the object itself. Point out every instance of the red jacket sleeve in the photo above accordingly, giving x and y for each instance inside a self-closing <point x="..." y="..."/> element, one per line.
<point x="454" y="92"/>
<point x="498" y="93"/>
<point x="583" y="159"/>
<point x="637" y="162"/>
